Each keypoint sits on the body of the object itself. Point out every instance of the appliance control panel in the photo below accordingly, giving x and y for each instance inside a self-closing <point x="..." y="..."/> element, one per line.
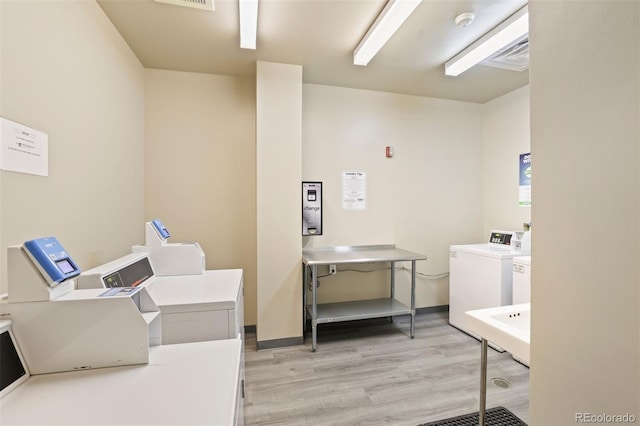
<point x="502" y="238"/>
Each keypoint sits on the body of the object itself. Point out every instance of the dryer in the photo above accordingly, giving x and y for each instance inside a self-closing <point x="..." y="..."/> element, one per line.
<point x="481" y="275"/>
<point x="522" y="279"/>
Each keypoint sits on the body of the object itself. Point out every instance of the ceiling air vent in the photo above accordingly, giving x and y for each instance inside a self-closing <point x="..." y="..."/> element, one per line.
<point x="514" y="57"/>
<point x="196" y="4"/>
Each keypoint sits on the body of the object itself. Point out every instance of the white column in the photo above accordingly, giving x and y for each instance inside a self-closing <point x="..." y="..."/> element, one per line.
<point x="585" y="278"/>
<point x="279" y="180"/>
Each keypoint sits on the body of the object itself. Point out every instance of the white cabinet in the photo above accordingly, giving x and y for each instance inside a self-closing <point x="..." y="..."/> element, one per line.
<point x="187" y="384"/>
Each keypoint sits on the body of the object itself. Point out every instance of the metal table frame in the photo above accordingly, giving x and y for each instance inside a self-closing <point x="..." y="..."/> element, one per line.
<point x="363" y="309"/>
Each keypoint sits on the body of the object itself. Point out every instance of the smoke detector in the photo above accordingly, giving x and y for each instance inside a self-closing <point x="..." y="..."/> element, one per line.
<point x="464" y="19"/>
<point x="195" y="4"/>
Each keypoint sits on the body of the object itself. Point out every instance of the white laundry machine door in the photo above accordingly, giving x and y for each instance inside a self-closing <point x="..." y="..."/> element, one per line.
<point x="477" y="281"/>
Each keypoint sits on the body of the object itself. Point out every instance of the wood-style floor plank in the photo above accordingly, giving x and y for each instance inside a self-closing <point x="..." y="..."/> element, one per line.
<point x="372" y="373"/>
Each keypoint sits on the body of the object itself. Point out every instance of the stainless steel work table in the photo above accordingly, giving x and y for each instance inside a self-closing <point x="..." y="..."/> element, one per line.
<point x="360" y="309"/>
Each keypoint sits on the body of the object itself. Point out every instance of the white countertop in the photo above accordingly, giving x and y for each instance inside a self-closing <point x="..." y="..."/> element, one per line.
<point x="184" y="384"/>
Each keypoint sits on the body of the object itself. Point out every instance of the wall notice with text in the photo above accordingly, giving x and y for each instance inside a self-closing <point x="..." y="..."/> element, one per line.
<point x="23" y="149"/>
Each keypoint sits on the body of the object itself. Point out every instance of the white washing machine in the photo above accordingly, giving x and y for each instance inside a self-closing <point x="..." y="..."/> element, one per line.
<point x="521" y="279"/>
<point x="481" y="275"/>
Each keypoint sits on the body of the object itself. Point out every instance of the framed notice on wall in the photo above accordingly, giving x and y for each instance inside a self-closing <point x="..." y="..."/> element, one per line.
<point x="525" y="180"/>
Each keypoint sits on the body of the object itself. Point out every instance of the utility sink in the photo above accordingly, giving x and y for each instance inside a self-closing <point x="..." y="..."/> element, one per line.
<point x="506" y="326"/>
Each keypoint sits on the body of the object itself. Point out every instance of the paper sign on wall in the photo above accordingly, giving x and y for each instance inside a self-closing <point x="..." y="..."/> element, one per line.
<point x="525" y="180"/>
<point x="23" y="149"/>
<point x="354" y="185"/>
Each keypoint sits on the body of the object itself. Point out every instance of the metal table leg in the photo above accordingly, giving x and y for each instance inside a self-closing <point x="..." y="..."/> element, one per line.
<point x="314" y="307"/>
<point x="483" y="382"/>
<point x="413" y="298"/>
<point x="393" y="284"/>
<point x="304" y="298"/>
<point x="393" y="280"/>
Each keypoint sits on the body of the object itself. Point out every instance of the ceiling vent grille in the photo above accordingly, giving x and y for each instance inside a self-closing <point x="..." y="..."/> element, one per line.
<point x="196" y="4"/>
<point x="514" y="57"/>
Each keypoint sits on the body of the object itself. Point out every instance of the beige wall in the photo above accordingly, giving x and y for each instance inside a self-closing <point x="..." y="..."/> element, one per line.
<point x="279" y="222"/>
<point x="585" y="143"/>
<point x="66" y="71"/>
<point x="3" y="256"/>
<point x="425" y="198"/>
<point x="342" y="129"/>
<point x="200" y="167"/>
<point x="505" y="135"/>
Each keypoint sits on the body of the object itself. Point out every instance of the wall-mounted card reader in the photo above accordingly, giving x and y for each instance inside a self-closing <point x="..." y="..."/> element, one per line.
<point x="311" y="208"/>
<point x="51" y="259"/>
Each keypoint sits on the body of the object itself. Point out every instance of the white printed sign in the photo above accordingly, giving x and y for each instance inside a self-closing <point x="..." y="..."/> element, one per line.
<point x="23" y="149"/>
<point x="354" y="185"/>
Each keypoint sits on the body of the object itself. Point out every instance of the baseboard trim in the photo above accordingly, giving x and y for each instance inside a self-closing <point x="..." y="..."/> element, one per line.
<point x="250" y="329"/>
<point x="432" y="309"/>
<point x="279" y="343"/>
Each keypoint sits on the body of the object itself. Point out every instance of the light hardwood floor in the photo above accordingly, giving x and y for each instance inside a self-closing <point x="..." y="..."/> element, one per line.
<point x="372" y="373"/>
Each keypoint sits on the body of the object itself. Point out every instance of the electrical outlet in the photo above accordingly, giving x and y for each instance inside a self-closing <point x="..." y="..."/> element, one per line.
<point x="333" y="270"/>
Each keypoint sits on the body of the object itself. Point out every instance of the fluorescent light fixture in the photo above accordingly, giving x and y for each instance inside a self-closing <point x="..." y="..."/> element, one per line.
<point x="392" y="16"/>
<point x="248" y="23"/>
<point x="501" y="36"/>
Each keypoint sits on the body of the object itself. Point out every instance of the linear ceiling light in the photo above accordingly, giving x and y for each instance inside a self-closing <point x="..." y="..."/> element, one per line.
<point x="392" y="16"/>
<point x="248" y="23"/>
<point x="516" y="26"/>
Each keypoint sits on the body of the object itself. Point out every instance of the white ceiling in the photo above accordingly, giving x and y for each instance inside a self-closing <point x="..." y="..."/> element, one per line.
<point x="321" y="35"/>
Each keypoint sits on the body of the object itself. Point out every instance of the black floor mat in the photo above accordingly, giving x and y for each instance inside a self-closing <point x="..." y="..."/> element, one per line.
<point x="498" y="416"/>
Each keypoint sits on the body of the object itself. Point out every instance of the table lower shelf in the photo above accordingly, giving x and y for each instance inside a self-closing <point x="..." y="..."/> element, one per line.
<point x="360" y="309"/>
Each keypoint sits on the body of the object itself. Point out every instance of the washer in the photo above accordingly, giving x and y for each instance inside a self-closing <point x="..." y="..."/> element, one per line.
<point x="481" y="276"/>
